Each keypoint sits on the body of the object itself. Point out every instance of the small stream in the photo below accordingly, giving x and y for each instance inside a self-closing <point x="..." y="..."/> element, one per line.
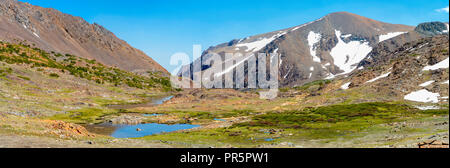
<point x="140" y="130"/>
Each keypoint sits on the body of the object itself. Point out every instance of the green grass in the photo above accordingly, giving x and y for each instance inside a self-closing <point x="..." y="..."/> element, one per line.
<point x="84" y="116"/>
<point x="324" y="122"/>
<point x="221" y="137"/>
<point x="5" y="71"/>
<point x="336" y="114"/>
<point x="327" y="124"/>
<point x="315" y="84"/>
<point x="54" y="75"/>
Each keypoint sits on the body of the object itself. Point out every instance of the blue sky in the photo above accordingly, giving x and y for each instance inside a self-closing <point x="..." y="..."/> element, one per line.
<point x="163" y="27"/>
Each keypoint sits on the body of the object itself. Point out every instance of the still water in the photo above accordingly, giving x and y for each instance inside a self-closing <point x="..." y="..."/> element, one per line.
<point x="140" y="130"/>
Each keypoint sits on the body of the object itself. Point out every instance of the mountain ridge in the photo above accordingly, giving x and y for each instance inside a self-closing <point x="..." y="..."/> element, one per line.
<point x="53" y="30"/>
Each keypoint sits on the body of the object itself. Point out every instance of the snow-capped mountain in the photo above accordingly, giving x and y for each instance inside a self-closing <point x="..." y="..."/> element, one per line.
<point x="322" y="49"/>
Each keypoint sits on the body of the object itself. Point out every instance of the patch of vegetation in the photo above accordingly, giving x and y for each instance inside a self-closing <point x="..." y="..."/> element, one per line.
<point x="5" y="71"/>
<point x="203" y="115"/>
<point x="54" y="75"/>
<point x="436" y="112"/>
<point x="414" y="55"/>
<point x="331" y="121"/>
<point x="333" y="114"/>
<point x="24" y="78"/>
<point x="219" y="137"/>
<point x="318" y="83"/>
<point x="84" y="116"/>
<point x="283" y="90"/>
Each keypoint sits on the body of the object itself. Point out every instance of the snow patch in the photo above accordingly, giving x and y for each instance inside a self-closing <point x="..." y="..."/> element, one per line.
<point x="442" y="64"/>
<point x="313" y="39"/>
<point x="446" y="82"/>
<point x="427" y="107"/>
<point x="275" y="53"/>
<point x="427" y="83"/>
<point x="306" y="24"/>
<point x="289" y="71"/>
<point x="347" y="55"/>
<point x="377" y="78"/>
<point x="423" y="96"/>
<point x="346" y="86"/>
<point x="390" y="35"/>
<point x="330" y="76"/>
<point x="446" y="31"/>
<point x="346" y="36"/>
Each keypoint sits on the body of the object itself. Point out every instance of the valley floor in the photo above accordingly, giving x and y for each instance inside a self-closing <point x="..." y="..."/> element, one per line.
<point x="406" y="134"/>
<point x="245" y="121"/>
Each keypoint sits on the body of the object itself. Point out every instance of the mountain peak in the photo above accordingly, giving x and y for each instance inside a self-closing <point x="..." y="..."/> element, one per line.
<point x="320" y="49"/>
<point x="348" y="15"/>
<point x="432" y="28"/>
<point x="341" y="13"/>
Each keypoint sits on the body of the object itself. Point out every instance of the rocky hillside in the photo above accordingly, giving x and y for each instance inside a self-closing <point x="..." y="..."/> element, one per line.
<point x="381" y="50"/>
<point x="418" y="71"/>
<point x="322" y="49"/>
<point x="57" y="64"/>
<point x="52" y="30"/>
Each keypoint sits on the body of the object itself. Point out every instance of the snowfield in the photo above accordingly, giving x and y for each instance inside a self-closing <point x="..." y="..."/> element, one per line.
<point x="377" y="78"/>
<point x="427" y="83"/>
<point x="313" y="39"/>
<point x="440" y="65"/>
<point x="260" y="44"/>
<point x="390" y="35"/>
<point x="346" y="86"/>
<point x="347" y="55"/>
<point x="427" y="107"/>
<point x="423" y="96"/>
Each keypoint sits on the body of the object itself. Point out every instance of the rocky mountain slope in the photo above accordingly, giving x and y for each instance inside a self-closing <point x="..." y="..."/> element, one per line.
<point x="381" y="50"/>
<point x="417" y="71"/>
<point x="52" y="30"/>
<point x="324" y="48"/>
